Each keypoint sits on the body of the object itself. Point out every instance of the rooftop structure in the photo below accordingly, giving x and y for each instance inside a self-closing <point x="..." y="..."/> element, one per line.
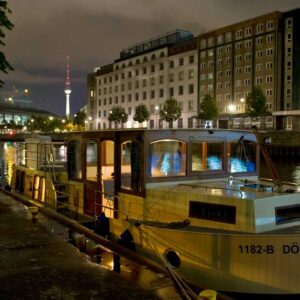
<point x="163" y="40"/>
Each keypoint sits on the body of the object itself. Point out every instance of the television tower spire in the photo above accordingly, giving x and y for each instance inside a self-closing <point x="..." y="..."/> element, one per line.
<point x="68" y="89"/>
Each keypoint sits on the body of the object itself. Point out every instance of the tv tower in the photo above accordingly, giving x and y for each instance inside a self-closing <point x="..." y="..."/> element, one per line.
<point x="68" y="90"/>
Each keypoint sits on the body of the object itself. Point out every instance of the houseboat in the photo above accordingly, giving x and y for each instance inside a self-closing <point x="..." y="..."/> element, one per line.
<point x="190" y="199"/>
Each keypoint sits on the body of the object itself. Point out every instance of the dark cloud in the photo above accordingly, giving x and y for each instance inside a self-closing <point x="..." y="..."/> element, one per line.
<point x="93" y="32"/>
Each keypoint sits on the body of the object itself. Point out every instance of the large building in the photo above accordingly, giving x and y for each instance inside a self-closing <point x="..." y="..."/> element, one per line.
<point x="225" y="63"/>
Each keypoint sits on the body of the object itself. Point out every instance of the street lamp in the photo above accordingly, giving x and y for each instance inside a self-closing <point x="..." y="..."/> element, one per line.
<point x="156" y="112"/>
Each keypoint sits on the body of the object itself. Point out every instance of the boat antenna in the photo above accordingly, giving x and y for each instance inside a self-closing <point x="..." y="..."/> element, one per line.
<point x="275" y="176"/>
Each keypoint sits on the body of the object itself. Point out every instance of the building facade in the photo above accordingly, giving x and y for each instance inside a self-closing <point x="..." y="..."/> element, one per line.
<point x="225" y="63"/>
<point x="147" y="73"/>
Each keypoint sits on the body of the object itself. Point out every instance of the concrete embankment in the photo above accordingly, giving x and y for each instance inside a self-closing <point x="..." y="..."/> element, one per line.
<point x="36" y="262"/>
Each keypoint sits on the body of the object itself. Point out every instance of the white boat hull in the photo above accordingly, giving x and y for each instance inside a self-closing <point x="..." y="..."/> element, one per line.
<point x="243" y="263"/>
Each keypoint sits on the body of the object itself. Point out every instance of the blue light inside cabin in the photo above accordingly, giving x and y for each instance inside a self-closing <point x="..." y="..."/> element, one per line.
<point x="214" y="163"/>
<point x="237" y="165"/>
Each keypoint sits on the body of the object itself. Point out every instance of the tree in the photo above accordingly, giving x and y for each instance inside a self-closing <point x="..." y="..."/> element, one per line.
<point x="171" y="111"/>
<point x="141" y="113"/>
<point x="256" y="103"/>
<point x="117" y="115"/>
<point x="6" y="24"/>
<point x="208" y="108"/>
<point x="79" y="118"/>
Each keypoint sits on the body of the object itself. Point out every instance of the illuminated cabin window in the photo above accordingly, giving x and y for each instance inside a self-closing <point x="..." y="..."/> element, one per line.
<point x="74" y="161"/>
<point x="91" y="160"/>
<point x="242" y="157"/>
<point x="131" y="166"/>
<point x="287" y="214"/>
<point x="213" y="212"/>
<point x="167" y="158"/>
<point x="207" y="156"/>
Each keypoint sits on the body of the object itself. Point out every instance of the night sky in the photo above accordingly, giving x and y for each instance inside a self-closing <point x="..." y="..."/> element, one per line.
<point x="93" y="32"/>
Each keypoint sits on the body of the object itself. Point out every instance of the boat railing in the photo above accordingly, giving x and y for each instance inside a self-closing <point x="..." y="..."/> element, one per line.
<point x="109" y="197"/>
<point x="42" y="156"/>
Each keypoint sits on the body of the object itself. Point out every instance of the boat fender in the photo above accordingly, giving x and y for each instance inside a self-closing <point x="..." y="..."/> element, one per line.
<point x="126" y="240"/>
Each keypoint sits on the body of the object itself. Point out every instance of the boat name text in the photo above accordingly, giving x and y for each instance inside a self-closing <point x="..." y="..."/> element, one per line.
<point x="292" y="248"/>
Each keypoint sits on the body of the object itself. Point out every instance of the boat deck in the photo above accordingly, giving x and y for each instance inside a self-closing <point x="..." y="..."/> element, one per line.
<point x="223" y="188"/>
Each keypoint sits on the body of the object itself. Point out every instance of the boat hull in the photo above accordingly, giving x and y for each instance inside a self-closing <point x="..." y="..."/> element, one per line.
<point x="231" y="262"/>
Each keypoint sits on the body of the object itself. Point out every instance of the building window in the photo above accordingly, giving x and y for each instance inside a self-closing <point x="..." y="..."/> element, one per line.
<point x="258" y="67"/>
<point x="219" y="74"/>
<point x="210" y="52"/>
<point x="144" y="95"/>
<point x="228" y="60"/>
<point x="227" y="97"/>
<point x="202" y="77"/>
<point x="122" y="98"/>
<point x="144" y="82"/>
<point x="219" y="85"/>
<point x="191" y="88"/>
<point x="172" y="64"/>
<point x="238" y="46"/>
<point x="238" y="58"/>
<point x="248" y="56"/>
<point x="180" y="90"/>
<point x="136" y="72"/>
<point x="259" y="28"/>
<point x="238" y="34"/>
<point x="203" y="54"/>
<point x="270" y="25"/>
<point x="219" y="50"/>
<point x="129" y="98"/>
<point x="210" y="64"/>
<point x="248" y="69"/>
<point x="228" y="73"/>
<point x="269" y="52"/>
<point x="228" y="37"/>
<point x="228" y="48"/>
<point x="259" y="54"/>
<point x="180" y="75"/>
<point x="259" y="41"/>
<point x="171" y="77"/>
<point x="258" y="80"/>
<point x="181" y="61"/>
<point x="144" y="70"/>
<point x="270" y="38"/>
<point x="152" y="93"/>
<point x="227" y="84"/>
<point x="269" y="65"/>
<point x="161" y="79"/>
<point x="161" y="66"/>
<point x="220" y="39"/>
<point x="171" y="91"/>
<point x="238" y="71"/>
<point x="269" y="92"/>
<point x="210" y="87"/>
<point x="152" y="81"/>
<point x="238" y="83"/>
<point x="248" y="31"/>
<point x="190" y="105"/>
<point x="116" y="100"/>
<point x="136" y="96"/>
<point x="210" y="76"/>
<point x="269" y="79"/>
<point x="161" y="93"/>
<point x="203" y="66"/>
<point x="191" y="59"/>
<point x="152" y="69"/>
<point x="191" y="73"/>
<point x="247" y="82"/>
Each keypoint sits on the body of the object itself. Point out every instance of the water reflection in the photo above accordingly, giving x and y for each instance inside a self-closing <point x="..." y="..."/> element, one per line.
<point x="7" y="160"/>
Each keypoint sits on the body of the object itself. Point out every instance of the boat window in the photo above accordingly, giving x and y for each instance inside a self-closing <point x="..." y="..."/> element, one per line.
<point x="213" y="212"/>
<point x="74" y="160"/>
<point x="130" y="166"/>
<point x="207" y="156"/>
<point x="242" y="157"/>
<point x="287" y="214"/>
<point x="167" y="158"/>
<point x="91" y="160"/>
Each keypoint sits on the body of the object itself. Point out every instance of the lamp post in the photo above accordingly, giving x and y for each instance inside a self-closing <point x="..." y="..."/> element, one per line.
<point x="156" y="112"/>
<point x="231" y="110"/>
